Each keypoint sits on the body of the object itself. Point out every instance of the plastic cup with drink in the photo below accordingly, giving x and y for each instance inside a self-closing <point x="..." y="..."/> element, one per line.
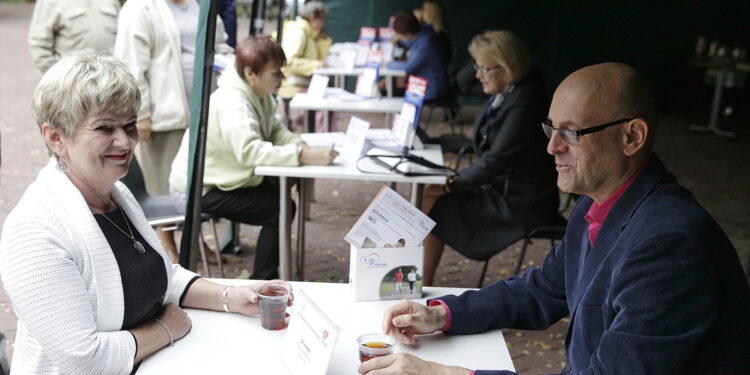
<point x="373" y="345"/>
<point x="273" y="301"/>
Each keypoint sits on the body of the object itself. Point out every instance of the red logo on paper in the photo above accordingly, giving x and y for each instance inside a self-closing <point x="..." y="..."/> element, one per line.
<point x="416" y="85"/>
<point x="325" y="334"/>
<point x="367" y="32"/>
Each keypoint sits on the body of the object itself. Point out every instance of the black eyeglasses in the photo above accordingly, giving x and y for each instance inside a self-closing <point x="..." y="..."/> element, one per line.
<point x="572" y="136"/>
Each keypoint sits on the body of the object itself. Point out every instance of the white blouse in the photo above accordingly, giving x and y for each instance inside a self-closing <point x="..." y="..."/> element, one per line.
<point x="64" y="282"/>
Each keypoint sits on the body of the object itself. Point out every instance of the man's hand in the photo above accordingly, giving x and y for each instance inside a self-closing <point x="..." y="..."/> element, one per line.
<point x="317" y="156"/>
<point x="406" y="319"/>
<point x="144" y="129"/>
<point x="407" y="364"/>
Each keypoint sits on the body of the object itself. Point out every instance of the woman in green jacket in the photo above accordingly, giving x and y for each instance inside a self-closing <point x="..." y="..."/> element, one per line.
<point x="244" y="132"/>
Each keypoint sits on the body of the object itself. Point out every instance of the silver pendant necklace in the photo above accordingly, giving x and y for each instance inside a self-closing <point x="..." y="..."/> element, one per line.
<point x="136" y="244"/>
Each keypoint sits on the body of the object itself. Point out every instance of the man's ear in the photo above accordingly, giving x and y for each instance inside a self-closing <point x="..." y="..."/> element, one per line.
<point x="634" y="136"/>
<point x="53" y="138"/>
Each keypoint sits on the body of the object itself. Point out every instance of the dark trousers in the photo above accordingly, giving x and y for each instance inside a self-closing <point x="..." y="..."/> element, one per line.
<point x="257" y="205"/>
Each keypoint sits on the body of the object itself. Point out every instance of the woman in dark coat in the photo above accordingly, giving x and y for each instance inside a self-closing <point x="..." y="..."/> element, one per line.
<point x="511" y="186"/>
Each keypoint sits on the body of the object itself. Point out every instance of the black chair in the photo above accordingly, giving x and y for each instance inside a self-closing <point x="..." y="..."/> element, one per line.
<point x="160" y="211"/>
<point x="449" y="105"/>
<point x="553" y="231"/>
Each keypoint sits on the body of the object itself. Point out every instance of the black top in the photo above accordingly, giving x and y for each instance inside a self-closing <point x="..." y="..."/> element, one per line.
<point x="144" y="277"/>
<point x="512" y="147"/>
<point x="511" y="188"/>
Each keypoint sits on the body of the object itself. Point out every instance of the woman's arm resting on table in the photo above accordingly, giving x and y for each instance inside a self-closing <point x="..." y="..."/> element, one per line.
<point x="172" y="325"/>
<point x="207" y="295"/>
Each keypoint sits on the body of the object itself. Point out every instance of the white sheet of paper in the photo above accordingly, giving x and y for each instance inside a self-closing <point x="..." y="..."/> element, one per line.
<point x="348" y="58"/>
<point x="390" y="221"/>
<point x="403" y="126"/>
<point x="356" y="133"/>
<point x="310" y="338"/>
<point x="335" y="139"/>
<point x="366" y="82"/>
<point x="337" y="93"/>
<point x="318" y="84"/>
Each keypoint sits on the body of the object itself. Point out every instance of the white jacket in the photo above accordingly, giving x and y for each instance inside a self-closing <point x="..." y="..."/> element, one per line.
<point x="64" y="282"/>
<point x="148" y="41"/>
<point x="65" y="27"/>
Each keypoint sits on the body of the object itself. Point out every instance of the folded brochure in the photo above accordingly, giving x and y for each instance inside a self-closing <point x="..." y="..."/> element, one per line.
<point x="390" y="221"/>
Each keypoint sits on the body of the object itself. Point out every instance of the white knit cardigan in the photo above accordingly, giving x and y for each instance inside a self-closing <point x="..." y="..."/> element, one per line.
<point x="64" y="282"/>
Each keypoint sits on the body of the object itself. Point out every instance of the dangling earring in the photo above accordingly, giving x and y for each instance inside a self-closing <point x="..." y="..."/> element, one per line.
<point x="61" y="165"/>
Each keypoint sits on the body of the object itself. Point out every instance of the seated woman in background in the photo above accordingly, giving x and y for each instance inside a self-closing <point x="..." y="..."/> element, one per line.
<point x="511" y="187"/>
<point x="306" y="46"/>
<point x="243" y="133"/>
<point x="431" y="14"/>
<point x="426" y="58"/>
<point x="93" y="289"/>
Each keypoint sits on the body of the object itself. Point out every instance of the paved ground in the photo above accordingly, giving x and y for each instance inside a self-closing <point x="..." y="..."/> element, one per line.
<point x="714" y="168"/>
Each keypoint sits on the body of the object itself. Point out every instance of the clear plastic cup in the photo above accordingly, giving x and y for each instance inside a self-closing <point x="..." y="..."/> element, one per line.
<point x="373" y="345"/>
<point x="273" y="301"/>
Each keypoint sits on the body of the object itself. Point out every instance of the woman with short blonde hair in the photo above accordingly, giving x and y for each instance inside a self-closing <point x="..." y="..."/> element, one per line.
<point x="511" y="186"/>
<point x="505" y="49"/>
<point x="92" y="286"/>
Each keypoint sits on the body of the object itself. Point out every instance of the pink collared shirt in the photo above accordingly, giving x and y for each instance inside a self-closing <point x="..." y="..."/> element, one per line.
<point x="598" y="212"/>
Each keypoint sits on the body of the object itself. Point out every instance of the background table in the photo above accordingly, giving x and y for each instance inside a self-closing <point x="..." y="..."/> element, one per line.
<point x="221" y="343"/>
<point x="347" y="171"/>
<point x="310" y="104"/>
<point x="723" y="69"/>
<point x="339" y="75"/>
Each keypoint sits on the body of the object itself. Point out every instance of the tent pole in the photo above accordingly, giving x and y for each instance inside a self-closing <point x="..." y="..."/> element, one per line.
<point x="203" y="69"/>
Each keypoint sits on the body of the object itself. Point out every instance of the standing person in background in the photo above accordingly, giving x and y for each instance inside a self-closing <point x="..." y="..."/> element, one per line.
<point x="432" y="14"/>
<point x="412" y="279"/>
<point x="156" y="39"/>
<point x="398" y="279"/>
<point x="305" y="45"/>
<point x="61" y="28"/>
<point x="426" y="56"/>
<point x="228" y="14"/>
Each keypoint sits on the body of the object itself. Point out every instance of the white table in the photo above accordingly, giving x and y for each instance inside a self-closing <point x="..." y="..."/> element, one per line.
<point x="345" y="171"/>
<point x="339" y="75"/>
<point x="310" y="104"/>
<point x="221" y="343"/>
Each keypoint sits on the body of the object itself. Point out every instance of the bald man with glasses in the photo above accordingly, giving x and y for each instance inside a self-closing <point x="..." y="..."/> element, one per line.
<point x="650" y="282"/>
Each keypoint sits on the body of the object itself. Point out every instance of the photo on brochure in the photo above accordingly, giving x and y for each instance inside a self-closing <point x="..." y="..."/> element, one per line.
<point x="402" y="282"/>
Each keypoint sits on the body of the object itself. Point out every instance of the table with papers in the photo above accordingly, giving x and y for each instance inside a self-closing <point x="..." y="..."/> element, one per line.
<point x="339" y="75"/>
<point x="346" y="170"/>
<point x="310" y="104"/>
<point x="221" y="343"/>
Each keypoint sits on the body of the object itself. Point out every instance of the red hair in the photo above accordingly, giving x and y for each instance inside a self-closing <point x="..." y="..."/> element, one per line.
<point x="256" y="52"/>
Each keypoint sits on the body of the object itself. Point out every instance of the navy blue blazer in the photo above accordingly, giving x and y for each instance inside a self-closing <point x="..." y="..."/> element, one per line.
<point x="660" y="292"/>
